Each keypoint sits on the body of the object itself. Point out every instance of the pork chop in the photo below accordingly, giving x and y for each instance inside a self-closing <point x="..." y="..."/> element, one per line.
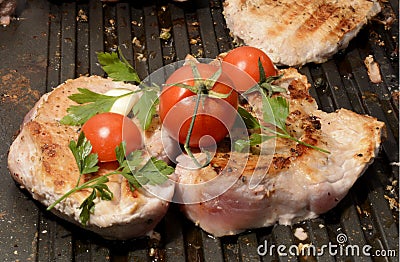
<point x="281" y="181"/>
<point x="41" y="161"/>
<point x="298" y="32"/>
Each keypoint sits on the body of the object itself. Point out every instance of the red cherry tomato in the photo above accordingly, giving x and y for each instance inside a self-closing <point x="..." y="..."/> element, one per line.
<point x="106" y="131"/>
<point x="245" y="59"/>
<point x="214" y="117"/>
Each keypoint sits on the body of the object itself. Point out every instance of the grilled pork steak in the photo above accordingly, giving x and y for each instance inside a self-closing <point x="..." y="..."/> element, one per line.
<point x="40" y="160"/>
<point x="298" y="32"/>
<point x="281" y="181"/>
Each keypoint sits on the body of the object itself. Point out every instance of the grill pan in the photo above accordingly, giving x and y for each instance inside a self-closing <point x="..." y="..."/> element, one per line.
<point x="52" y="41"/>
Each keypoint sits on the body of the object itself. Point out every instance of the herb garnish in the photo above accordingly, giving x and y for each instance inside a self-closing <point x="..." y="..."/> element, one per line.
<point x="86" y="161"/>
<point x="153" y="172"/>
<point x="117" y="67"/>
<point x="275" y="112"/>
<point x="146" y="106"/>
<point x="90" y="104"/>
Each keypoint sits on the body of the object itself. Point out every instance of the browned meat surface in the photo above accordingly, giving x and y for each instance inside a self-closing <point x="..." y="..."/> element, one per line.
<point x="281" y="181"/>
<point x="40" y="160"/>
<point x="298" y="32"/>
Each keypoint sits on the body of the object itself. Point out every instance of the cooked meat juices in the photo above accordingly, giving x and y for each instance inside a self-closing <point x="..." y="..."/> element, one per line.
<point x="41" y="161"/>
<point x="298" y="32"/>
<point x="292" y="182"/>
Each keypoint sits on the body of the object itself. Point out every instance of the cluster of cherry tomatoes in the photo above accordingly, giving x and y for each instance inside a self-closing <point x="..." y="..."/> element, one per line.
<point x="240" y="71"/>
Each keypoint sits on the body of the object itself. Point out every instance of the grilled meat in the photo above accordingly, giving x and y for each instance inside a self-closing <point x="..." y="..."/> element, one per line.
<point x="281" y="181"/>
<point x="40" y="160"/>
<point x="298" y="32"/>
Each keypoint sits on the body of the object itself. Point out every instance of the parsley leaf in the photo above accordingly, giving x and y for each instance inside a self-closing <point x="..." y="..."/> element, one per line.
<point x="146" y="106"/>
<point x="153" y="172"/>
<point x="250" y="121"/>
<point x="86" y="161"/>
<point x="98" y="188"/>
<point x="275" y="111"/>
<point x="91" y="103"/>
<point x="255" y="139"/>
<point x="116" y="68"/>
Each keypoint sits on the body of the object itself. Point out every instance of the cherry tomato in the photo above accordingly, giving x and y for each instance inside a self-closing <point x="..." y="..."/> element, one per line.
<point x="106" y="131"/>
<point x="245" y="59"/>
<point x="215" y="115"/>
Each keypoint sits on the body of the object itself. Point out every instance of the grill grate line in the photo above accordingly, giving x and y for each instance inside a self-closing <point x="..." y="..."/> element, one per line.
<point x="96" y="37"/>
<point x="212" y="249"/>
<point x="224" y="40"/>
<point x="351" y="226"/>
<point x="179" y="32"/>
<point x="322" y="89"/>
<point x="174" y="241"/>
<point x="82" y="38"/>
<point x="335" y="85"/>
<point x="382" y="215"/>
<point x="165" y="35"/>
<point x="124" y="30"/>
<point x="195" y="41"/>
<point x="153" y="44"/>
<point x="282" y="235"/>
<point x="230" y="248"/>
<point x="193" y="242"/>
<point x="139" y="42"/>
<point x="207" y="33"/>
<point x="248" y="247"/>
<point x="318" y="236"/>
<point x="68" y="41"/>
<point x="54" y="48"/>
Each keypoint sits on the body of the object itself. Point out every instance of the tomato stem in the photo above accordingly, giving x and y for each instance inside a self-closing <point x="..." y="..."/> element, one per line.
<point x="187" y="141"/>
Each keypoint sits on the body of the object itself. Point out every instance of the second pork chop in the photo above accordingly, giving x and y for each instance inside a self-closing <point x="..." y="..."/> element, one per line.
<point x="283" y="182"/>
<point x="298" y="32"/>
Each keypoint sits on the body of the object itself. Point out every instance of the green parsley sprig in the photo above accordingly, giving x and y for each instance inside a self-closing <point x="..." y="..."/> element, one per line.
<point x="153" y="172"/>
<point x="117" y="67"/>
<point x="146" y="106"/>
<point x="90" y="104"/>
<point x="275" y="112"/>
